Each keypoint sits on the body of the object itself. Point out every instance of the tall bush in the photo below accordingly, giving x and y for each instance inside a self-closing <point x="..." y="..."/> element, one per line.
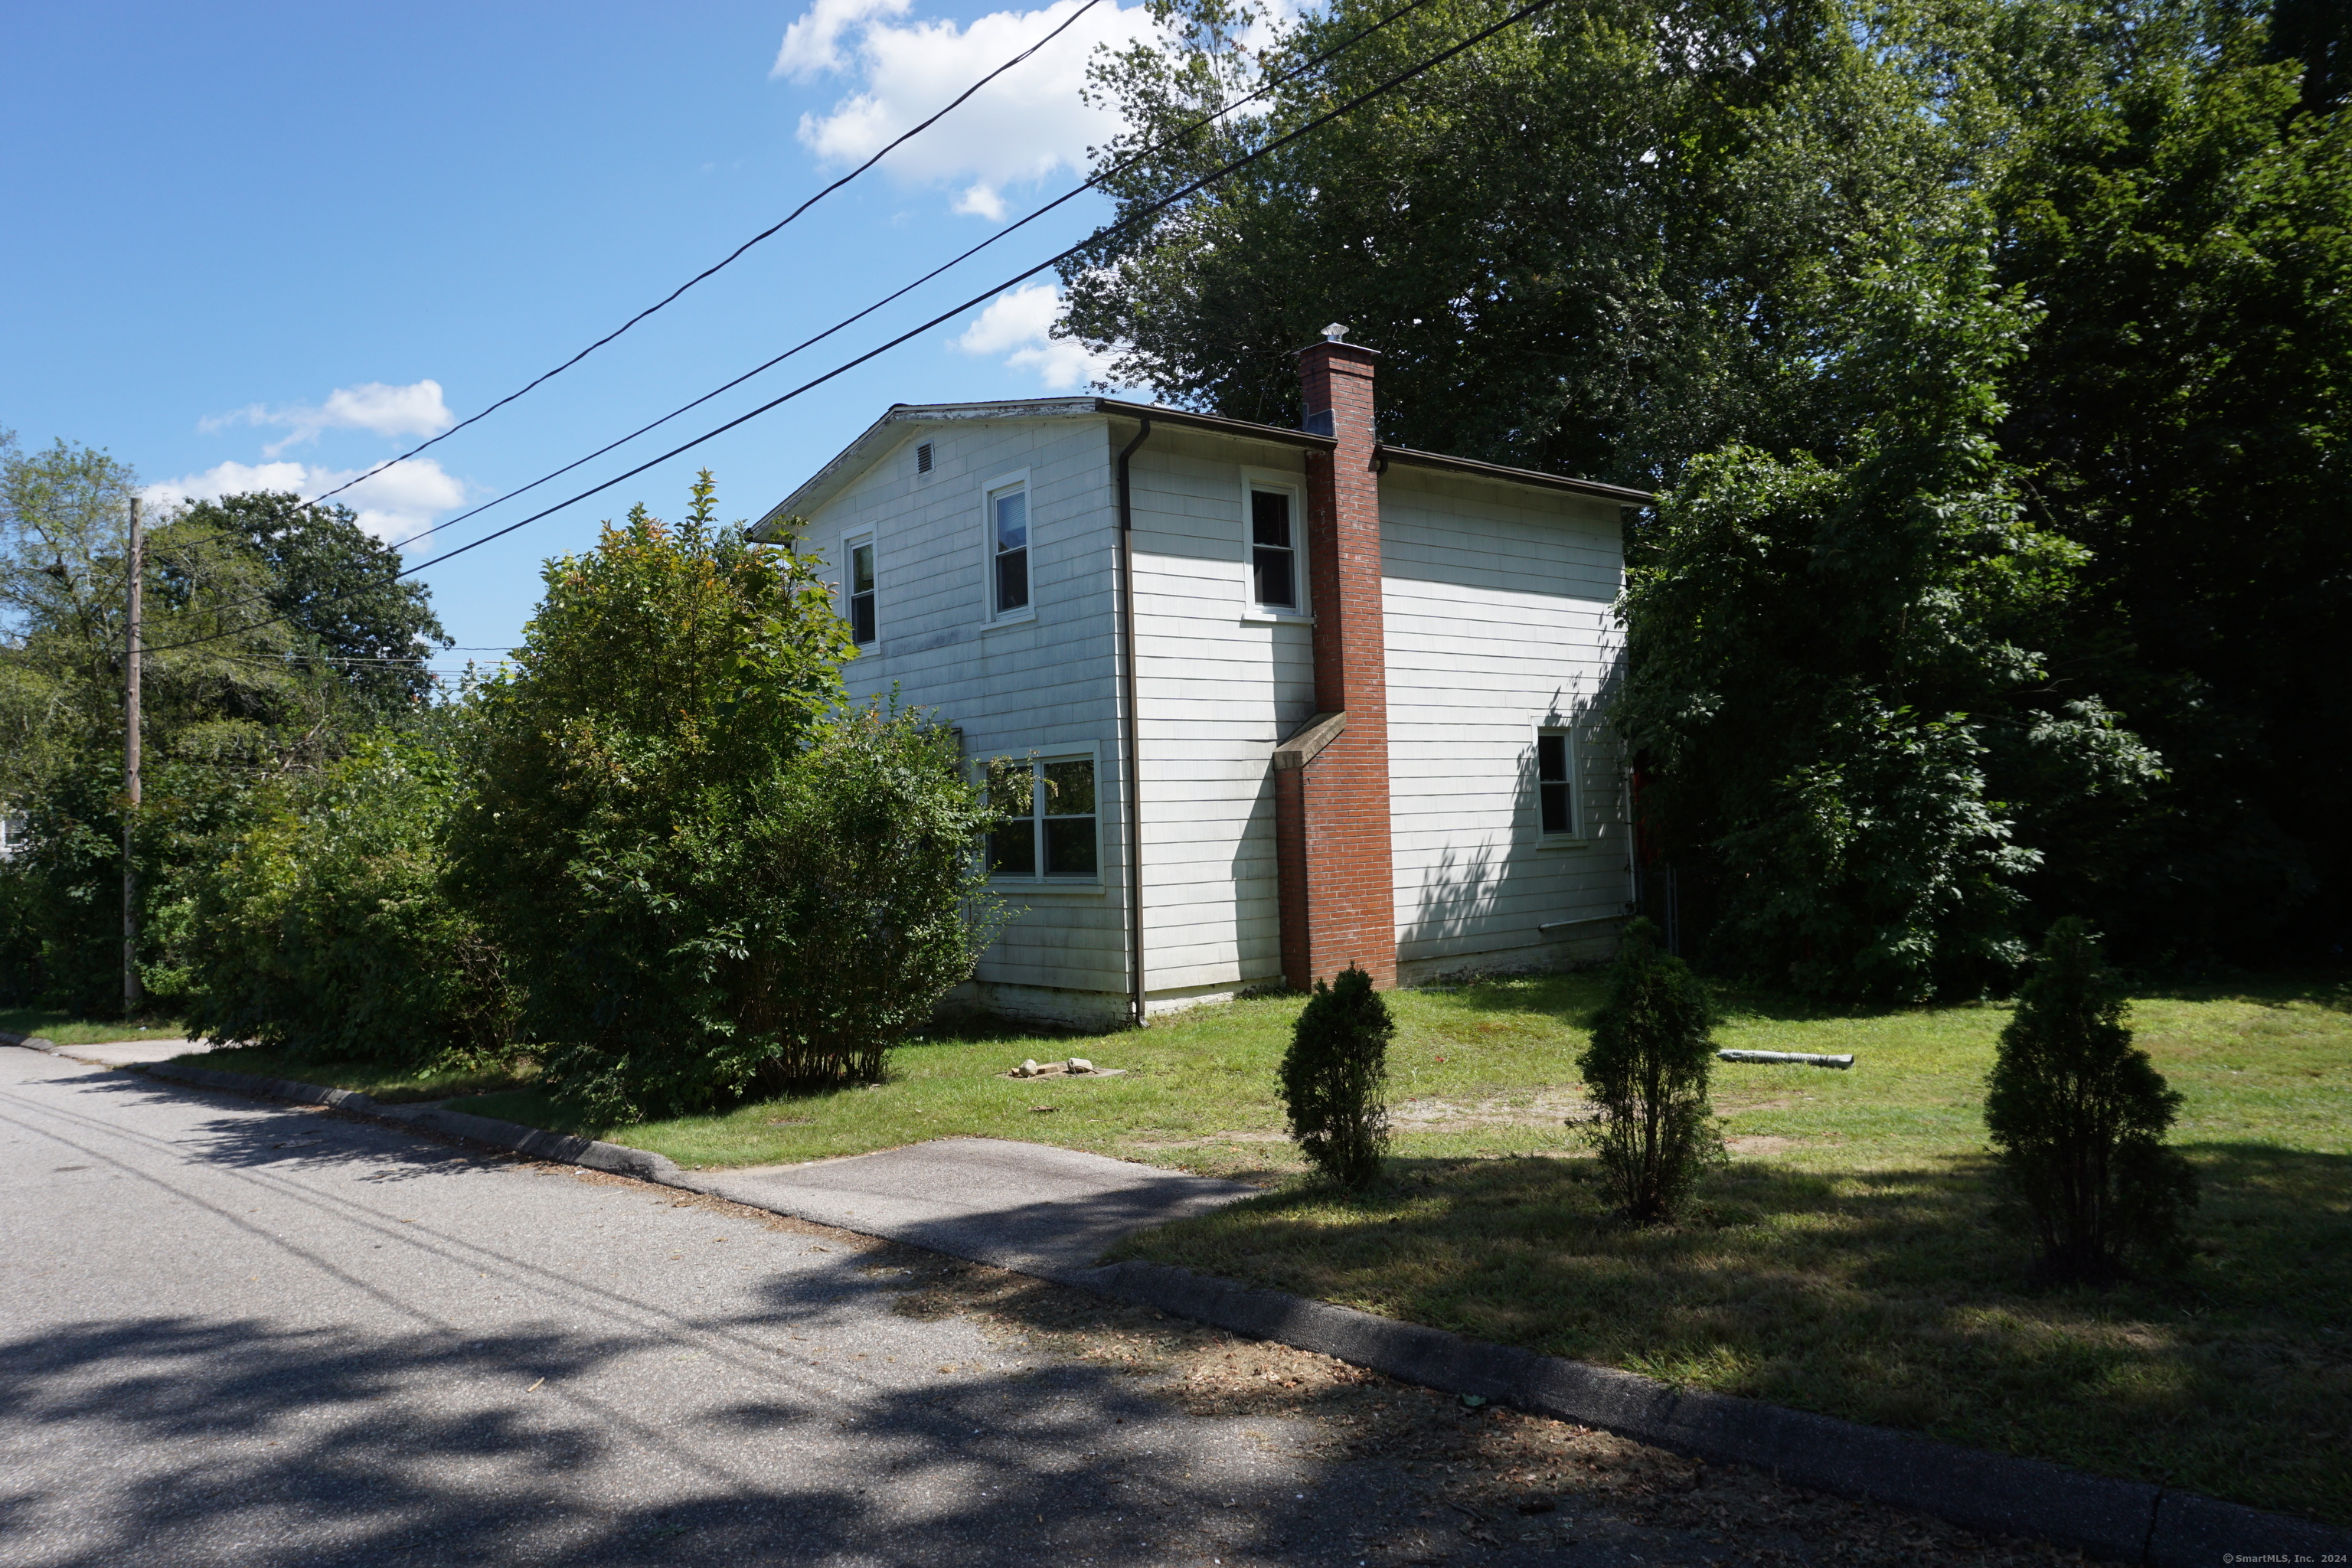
<point x="1646" y="1073"/>
<point x="324" y="932"/>
<point x="2079" y="1113"/>
<point x="1334" y="1079"/>
<point x="713" y="874"/>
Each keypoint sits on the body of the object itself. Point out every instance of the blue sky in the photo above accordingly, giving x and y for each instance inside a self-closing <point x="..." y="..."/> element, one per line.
<point x="272" y="243"/>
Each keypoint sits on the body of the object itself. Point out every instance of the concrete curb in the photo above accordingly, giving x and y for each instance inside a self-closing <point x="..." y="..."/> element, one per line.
<point x="2121" y="1521"/>
<point x="32" y="1041"/>
<point x="537" y="1142"/>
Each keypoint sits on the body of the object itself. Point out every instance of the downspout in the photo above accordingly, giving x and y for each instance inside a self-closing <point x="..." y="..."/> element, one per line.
<point x="1130" y="738"/>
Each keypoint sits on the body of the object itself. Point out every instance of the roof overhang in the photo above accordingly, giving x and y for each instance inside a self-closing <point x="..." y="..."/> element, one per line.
<point x="905" y="419"/>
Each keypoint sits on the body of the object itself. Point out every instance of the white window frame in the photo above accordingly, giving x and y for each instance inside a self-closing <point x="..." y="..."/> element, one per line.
<point x="849" y="545"/>
<point x="1038" y="756"/>
<point x="1294" y="487"/>
<point x="1017" y="478"/>
<point x="1578" y="813"/>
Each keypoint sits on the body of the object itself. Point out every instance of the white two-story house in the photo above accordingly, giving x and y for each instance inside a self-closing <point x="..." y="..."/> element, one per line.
<point x="1263" y="702"/>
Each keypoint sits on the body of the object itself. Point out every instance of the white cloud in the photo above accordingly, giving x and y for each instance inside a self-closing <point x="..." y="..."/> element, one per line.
<point x="392" y="502"/>
<point x="811" y="45"/>
<point x="1024" y="126"/>
<point x="416" y="409"/>
<point x="1019" y="326"/>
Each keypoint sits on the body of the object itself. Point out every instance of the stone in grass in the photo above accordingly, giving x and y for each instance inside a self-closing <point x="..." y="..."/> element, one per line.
<point x="1079" y="1064"/>
<point x="1028" y="1069"/>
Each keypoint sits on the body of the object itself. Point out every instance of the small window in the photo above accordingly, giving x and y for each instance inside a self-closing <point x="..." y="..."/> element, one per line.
<point x="1008" y="522"/>
<point x="1049" y="828"/>
<point x="923" y="458"/>
<point x="861" y="592"/>
<point x="1555" y="791"/>
<point x="1274" y="564"/>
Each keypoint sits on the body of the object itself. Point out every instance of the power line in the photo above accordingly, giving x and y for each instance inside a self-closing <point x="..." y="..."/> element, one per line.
<point x="729" y="257"/>
<point x="1069" y="195"/>
<point x="1153" y="210"/>
<point x="1269" y="85"/>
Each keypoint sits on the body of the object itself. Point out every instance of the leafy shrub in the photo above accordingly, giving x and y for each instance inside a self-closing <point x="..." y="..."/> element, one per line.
<point x="1646" y="1073"/>
<point x="713" y="876"/>
<point x="324" y="933"/>
<point x="1333" y="1078"/>
<point x="2078" y="1114"/>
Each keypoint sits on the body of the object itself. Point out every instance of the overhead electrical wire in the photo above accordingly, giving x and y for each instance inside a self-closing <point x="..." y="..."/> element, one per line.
<point x="1153" y="210"/>
<point x="1071" y="194"/>
<point x="728" y="260"/>
<point x="1269" y="85"/>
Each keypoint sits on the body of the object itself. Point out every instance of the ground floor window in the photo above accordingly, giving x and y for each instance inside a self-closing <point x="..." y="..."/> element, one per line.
<point x="1555" y="788"/>
<point x="1049" y="806"/>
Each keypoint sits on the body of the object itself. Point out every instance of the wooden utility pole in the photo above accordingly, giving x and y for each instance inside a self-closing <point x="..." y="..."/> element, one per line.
<point x="132" y="993"/>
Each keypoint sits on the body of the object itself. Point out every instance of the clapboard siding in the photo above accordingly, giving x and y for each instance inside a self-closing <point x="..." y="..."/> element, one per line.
<point x="1041" y="684"/>
<point x="1215" y="691"/>
<point x="1496" y="603"/>
<point x="1496" y="599"/>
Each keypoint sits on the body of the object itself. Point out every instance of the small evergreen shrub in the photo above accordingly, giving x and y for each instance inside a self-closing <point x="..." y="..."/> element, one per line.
<point x="1334" y="1077"/>
<point x="1646" y="1073"/>
<point x="2078" y="1115"/>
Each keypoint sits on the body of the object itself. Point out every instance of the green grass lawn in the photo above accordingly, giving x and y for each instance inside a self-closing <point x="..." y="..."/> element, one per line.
<point x="391" y="1084"/>
<point x="65" y="1029"/>
<point x="1847" y="1262"/>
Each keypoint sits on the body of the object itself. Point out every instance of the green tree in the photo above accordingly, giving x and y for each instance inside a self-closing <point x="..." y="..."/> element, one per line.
<point x="2078" y="1114"/>
<point x="1836" y="664"/>
<point x="2181" y="208"/>
<point x="1335" y="1075"/>
<point x="233" y="696"/>
<point x="324" y="933"/>
<point x="711" y="875"/>
<point x="1646" y="1073"/>
<point x="340" y="589"/>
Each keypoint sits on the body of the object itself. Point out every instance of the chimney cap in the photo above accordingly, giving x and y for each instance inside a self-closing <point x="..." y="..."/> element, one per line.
<point x="1334" y="332"/>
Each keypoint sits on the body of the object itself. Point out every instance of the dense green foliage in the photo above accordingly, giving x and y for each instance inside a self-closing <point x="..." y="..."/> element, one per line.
<point x="1988" y="355"/>
<point x="323" y="932"/>
<point x="2079" y="1114"/>
<point x="711" y="875"/>
<point x="239" y="686"/>
<point x="1646" y="1074"/>
<point x="1335" y="1079"/>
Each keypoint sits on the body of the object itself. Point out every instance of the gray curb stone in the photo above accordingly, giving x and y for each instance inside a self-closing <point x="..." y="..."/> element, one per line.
<point x="539" y="1144"/>
<point x="2119" y="1522"/>
<point x="31" y="1042"/>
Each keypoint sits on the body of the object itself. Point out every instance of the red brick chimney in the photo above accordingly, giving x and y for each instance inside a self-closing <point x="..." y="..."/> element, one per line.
<point x="1331" y="777"/>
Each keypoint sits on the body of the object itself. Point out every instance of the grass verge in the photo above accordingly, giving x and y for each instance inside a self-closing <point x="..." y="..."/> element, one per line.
<point x="393" y="1085"/>
<point x="65" y="1029"/>
<point x="1848" y="1262"/>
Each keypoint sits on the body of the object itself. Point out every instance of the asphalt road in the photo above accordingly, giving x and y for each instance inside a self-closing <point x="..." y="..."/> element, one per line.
<point x="236" y="1332"/>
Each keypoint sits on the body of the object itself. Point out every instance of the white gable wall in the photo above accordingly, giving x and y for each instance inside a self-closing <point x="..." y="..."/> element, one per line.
<point x="1047" y="684"/>
<point x="1496" y="599"/>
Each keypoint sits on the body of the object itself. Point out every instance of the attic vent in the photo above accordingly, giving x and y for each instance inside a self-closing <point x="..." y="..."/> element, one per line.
<point x="923" y="458"/>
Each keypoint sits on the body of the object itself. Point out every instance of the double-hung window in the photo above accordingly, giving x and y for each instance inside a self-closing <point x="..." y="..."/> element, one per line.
<point x="1273" y="551"/>
<point x="1555" y="783"/>
<point x="1049" y="818"/>
<point x="861" y="592"/>
<point x="1008" y="547"/>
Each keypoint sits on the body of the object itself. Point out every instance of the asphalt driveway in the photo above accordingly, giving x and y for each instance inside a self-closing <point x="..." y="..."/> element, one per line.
<point x="234" y="1331"/>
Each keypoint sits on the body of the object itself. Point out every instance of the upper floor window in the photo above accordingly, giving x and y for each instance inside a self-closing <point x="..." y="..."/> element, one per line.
<point x="861" y="592"/>
<point x="1049" y="827"/>
<point x="1008" y="534"/>
<point x="1555" y="784"/>
<point x="1274" y="555"/>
